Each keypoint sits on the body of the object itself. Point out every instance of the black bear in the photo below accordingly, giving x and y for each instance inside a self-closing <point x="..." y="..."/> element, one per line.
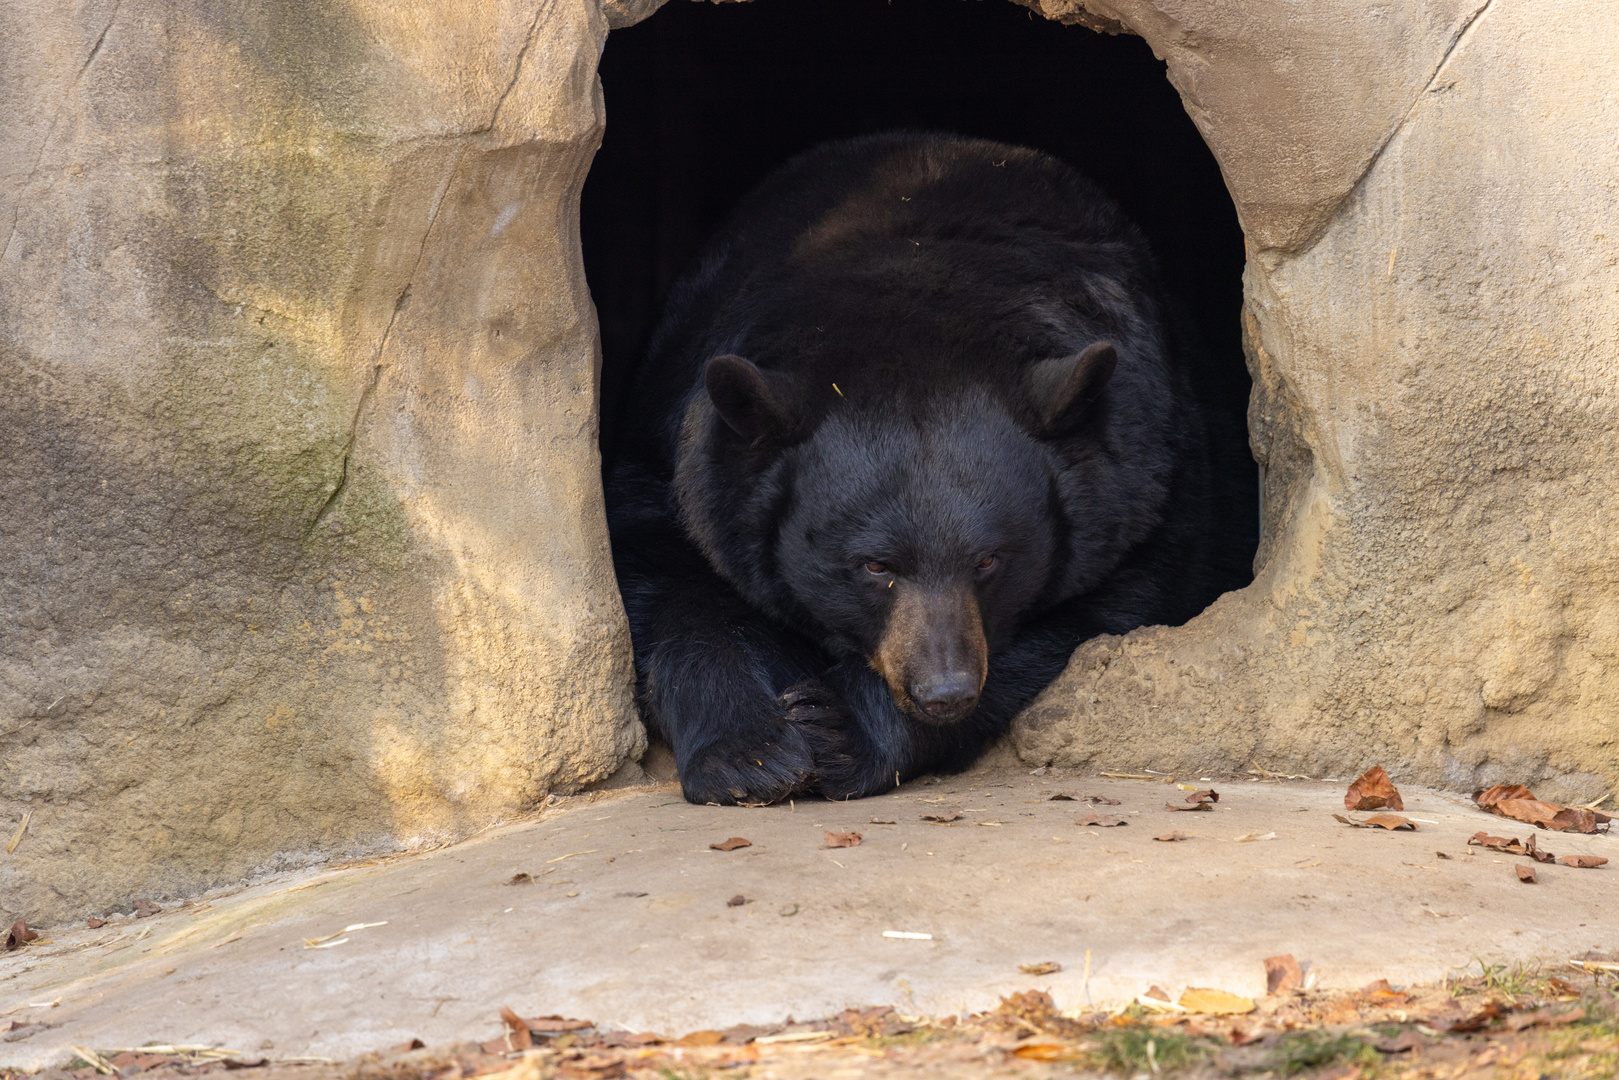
<point x="916" y="424"/>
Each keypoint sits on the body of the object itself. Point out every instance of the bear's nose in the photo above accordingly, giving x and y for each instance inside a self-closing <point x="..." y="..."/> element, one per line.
<point x="947" y="697"/>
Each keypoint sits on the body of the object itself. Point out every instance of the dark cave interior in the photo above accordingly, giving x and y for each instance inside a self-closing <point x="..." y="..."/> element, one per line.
<point x="703" y="100"/>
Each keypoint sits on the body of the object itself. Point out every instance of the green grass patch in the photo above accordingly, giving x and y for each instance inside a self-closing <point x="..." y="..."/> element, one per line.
<point x="1301" y="1051"/>
<point x="1133" y="1049"/>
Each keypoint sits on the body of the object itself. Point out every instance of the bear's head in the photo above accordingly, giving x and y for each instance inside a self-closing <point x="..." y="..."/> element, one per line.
<point x="917" y="530"/>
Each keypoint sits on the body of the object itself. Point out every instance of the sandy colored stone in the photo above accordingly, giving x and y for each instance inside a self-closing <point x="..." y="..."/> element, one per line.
<point x="303" y="546"/>
<point x="1434" y="398"/>
<point x="303" y="538"/>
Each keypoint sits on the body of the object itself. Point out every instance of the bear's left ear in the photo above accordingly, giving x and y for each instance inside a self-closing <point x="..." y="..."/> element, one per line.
<point x="1063" y="388"/>
<point x="747" y="400"/>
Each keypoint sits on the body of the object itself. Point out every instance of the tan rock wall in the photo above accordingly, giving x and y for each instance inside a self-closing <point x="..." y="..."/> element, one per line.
<point x="1436" y="354"/>
<point x="303" y="549"/>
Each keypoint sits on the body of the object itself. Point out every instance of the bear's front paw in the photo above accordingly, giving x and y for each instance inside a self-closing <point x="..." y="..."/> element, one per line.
<point x="763" y="764"/>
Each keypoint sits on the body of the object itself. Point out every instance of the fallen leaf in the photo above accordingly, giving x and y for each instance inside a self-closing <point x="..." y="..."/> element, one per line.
<point x="1157" y="993"/>
<point x="1441" y="855"/>
<point x="1044" y="1052"/>
<point x="95" y="923"/>
<point x="1196" y="806"/>
<point x="1476" y="1021"/>
<point x="1214" y="1002"/>
<point x="1101" y="822"/>
<point x="1247" y="838"/>
<point x="1063" y="796"/>
<point x="143" y="908"/>
<point x="701" y="1038"/>
<point x="1282" y="973"/>
<point x="19" y="934"/>
<point x="1391" y="821"/>
<point x="736" y="901"/>
<point x="1101" y="800"/>
<point x="1044" y="967"/>
<point x="1373" y="791"/>
<point x="1206" y="795"/>
<point x="1494" y="843"/>
<point x="1518" y="803"/>
<point x="1384" y="821"/>
<point x="414" y="1044"/>
<point x="1526" y="874"/>
<point x="883" y="821"/>
<point x="843" y="839"/>
<point x="557" y="1025"/>
<point x="1588" y="862"/>
<point x="517" y="1033"/>
<point x="1170" y="838"/>
<point x="942" y="819"/>
<point x="521" y="878"/>
<point x="1544" y="1018"/>
<point x="735" y="842"/>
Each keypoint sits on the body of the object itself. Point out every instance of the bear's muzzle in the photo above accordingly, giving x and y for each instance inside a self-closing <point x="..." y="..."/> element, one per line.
<point x="933" y="653"/>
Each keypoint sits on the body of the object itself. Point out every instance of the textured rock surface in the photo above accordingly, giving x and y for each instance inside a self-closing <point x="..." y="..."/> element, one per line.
<point x="1436" y="364"/>
<point x="303" y="546"/>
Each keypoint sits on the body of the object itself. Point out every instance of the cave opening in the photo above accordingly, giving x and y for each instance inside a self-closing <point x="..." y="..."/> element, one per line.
<point x="704" y="100"/>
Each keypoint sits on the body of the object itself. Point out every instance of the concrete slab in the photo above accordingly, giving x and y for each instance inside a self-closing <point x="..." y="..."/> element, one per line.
<point x="626" y="920"/>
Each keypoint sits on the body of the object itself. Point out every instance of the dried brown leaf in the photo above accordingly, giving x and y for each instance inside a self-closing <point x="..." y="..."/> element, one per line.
<point x="1044" y="967"/>
<point x="19" y="934"/>
<point x="1282" y="973"/>
<point x="1206" y="795"/>
<point x="1588" y="862"/>
<point x="1380" y="821"/>
<point x="1391" y="821"/>
<point x="522" y="877"/>
<point x="1101" y="800"/>
<point x="843" y="839"/>
<point x="1063" y="796"/>
<point x="1157" y="993"/>
<point x="1518" y="803"/>
<point x="1100" y="821"/>
<point x="1170" y="838"/>
<point x="517" y="1033"/>
<point x="1526" y="874"/>
<point x="736" y="901"/>
<point x="95" y="923"/>
<point x="732" y="844"/>
<point x="701" y="1038"/>
<point x="557" y="1025"/>
<point x="883" y="821"/>
<point x="143" y="908"/>
<point x="1199" y="999"/>
<point x="942" y="819"/>
<point x="1373" y="791"/>
<point x="1194" y="806"/>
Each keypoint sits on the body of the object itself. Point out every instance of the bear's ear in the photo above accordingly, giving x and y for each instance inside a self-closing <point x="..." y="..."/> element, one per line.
<point x="746" y="400"/>
<point x="1064" y="388"/>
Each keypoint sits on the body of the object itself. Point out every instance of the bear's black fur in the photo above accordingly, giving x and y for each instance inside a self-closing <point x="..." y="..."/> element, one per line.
<point x="916" y="425"/>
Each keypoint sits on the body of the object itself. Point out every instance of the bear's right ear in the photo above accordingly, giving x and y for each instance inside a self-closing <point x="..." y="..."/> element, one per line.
<point x="1064" y="388"/>
<point x="746" y="400"/>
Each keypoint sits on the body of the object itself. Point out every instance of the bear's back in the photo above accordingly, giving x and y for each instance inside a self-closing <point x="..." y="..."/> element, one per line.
<point x="929" y="257"/>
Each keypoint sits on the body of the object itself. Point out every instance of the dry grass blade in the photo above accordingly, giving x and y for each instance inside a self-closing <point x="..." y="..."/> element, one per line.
<point x="16" y="837"/>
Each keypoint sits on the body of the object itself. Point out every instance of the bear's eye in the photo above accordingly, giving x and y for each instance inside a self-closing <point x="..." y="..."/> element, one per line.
<point x="987" y="563"/>
<point x="877" y="568"/>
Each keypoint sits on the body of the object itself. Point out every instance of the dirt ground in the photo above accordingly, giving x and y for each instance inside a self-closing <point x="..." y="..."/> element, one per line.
<point x="1507" y="1023"/>
<point x="998" y="923"/>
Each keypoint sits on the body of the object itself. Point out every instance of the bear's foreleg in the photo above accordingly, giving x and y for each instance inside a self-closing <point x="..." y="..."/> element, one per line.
<point x="714" y="679"/>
